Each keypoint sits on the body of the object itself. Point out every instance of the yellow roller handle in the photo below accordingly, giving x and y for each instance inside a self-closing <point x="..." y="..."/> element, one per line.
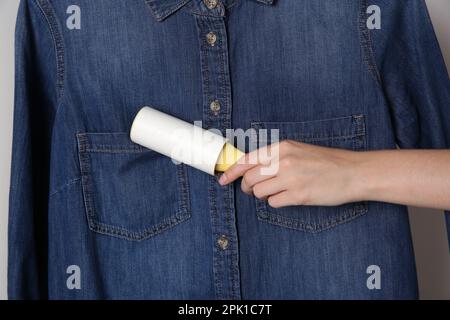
<point x="229" y="156"/>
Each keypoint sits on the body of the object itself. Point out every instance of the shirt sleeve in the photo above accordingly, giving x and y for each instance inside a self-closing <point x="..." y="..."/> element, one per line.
<point x="413" y="76"/>
<point x="36" y="100"/>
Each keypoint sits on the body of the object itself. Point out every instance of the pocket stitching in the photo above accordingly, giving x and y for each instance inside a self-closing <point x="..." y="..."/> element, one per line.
<point x="357" y="122"/>
<point x="356" y="210"/>
<point x="89" y="146"/>
<point x="182" y="214"/>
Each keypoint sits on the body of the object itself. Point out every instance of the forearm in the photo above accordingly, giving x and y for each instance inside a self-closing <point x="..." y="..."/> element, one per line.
<point x="411" y="177"/>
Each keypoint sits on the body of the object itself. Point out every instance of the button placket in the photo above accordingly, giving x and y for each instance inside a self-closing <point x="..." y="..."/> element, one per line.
<point x="217" y="106"/>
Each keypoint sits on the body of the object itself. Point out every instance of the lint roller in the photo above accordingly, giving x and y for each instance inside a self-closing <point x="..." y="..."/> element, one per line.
<point x="183" y="141"/>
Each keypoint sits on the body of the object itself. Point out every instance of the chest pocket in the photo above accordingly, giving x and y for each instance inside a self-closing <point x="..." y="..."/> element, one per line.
<point x="130" y="192"/>
<point x="346" y="133"/>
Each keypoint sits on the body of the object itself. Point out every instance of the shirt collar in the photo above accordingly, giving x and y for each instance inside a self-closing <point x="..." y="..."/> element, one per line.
<point x="164" y="8"/>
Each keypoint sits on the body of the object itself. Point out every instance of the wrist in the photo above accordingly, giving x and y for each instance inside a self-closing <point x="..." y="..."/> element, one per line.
<point x="363" y="176"/>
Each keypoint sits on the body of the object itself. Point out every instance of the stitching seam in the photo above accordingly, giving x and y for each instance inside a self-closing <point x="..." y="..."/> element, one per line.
<point x="367" y="45"/>
<point x="47" y="11"/>
<point x="61" y="188"/>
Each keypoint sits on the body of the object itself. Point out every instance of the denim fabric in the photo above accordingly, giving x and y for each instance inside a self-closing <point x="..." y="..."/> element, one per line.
<point x="137" y="226"/>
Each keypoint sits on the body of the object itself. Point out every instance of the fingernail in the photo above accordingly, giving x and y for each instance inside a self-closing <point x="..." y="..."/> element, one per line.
<point x="223" y="179"/>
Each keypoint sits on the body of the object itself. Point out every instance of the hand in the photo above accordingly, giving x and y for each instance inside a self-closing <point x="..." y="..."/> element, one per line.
<point x="293" y="173"/>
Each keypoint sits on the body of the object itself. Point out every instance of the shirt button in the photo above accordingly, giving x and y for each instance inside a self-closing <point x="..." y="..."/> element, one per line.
<point x="211" y="38"/>
<point x="211" y="4"/>
<point x="215" y="106"/>
<point x="223" y="242"/>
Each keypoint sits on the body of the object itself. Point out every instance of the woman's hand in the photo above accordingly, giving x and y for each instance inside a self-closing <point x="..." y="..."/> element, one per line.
<point x="293" y="173"/>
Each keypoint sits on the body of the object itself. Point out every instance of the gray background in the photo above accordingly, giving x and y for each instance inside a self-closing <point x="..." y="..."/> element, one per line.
<point x="428" y="228"/>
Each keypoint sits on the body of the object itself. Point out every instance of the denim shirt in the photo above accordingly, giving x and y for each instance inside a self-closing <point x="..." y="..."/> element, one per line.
<point x="95" y="216"/>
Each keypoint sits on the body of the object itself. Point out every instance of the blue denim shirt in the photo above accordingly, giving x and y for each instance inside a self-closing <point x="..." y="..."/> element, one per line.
<point x="93" y="215"/>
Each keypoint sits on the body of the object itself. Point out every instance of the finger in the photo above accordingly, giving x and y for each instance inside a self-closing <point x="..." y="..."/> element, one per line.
<point x="263" y="156"/>
<point x="236" y="171"/>
<point x="253" y="176"/>
<point x="282" y="199"/>
<point x="268" y="188"/>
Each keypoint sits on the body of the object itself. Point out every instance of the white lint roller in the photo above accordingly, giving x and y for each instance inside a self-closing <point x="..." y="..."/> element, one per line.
<point x="183" y="141"/>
